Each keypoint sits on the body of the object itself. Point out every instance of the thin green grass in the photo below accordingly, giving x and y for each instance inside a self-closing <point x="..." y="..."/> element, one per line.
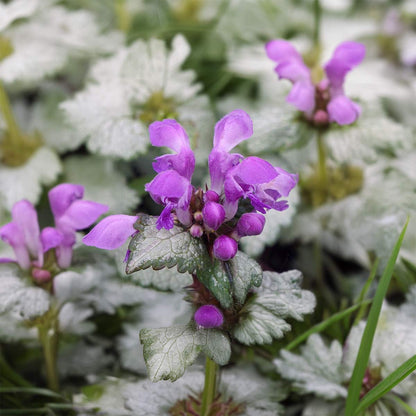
<point x="369" y="331"/>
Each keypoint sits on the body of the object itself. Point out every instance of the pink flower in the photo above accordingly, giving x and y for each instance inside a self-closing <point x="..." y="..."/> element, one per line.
<point x="328" y="95"/>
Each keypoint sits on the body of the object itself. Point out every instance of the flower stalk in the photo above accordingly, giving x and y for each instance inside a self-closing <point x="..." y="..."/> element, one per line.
<point x="49" y="338"/>
<point x="322" y="171"/>
<point x="6" y="111"/>
<point x="210" y="386"/>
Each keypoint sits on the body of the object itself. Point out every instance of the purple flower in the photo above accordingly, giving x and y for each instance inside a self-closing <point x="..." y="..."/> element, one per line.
<point x="232" y="129"/>
<point x="260" y="182"/>
<point x="24" y="236"/>
<point x="225" y="248"/>
<point x="214" y="215"/>
<point x="326" y="96"/>
<point x="111" y="232"/>
<point x="250" y="223"/>
<point x="174" y="191"/>
<point x="71" y="214"/>
<point x="208" y="316"/>
<point x="169" y="133"/>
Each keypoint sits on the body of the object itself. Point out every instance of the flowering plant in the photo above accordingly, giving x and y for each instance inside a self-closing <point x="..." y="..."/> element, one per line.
<point x="321" y="100"/>
<point x="198" y="232"/>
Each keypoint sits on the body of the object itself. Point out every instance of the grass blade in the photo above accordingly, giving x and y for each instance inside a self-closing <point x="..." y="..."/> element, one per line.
<point x="31" y="390"/>
<point x="324" y="324"/>
<point x="370" y="328"/>
<point x="404" y="405"/>
<point x="364" y="292"/>
<point x="387" y="384"/>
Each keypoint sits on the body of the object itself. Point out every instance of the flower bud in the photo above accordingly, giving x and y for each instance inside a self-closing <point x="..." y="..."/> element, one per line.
<point x="214" y="215"/>
<point x="321" y="118"/>
<point x="211" y="196"/>
<point x="196" y="230"/>
<point x="198" y="216"/>
<point x="208" y="316"/>
<point x="225" y="248"/>
<point x="41" y="275"/>
<point x="251" y="223"/>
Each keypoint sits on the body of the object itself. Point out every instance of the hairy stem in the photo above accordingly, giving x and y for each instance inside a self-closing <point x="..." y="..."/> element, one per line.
<point x="123" y="16"/>
<point x="49" y="338"/>
<point x="323" y="176"/>
<point x="317" y="11"/>
<point x="210" y="386"/>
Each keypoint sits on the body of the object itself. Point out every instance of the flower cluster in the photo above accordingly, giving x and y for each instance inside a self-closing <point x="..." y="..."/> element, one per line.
<point x="324" y="101"/>
<point x="211" y="213"/>
<point x="31" y="245"/>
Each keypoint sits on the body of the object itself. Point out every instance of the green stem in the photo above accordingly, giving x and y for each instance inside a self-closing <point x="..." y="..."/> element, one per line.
<point x="323" y="176"/>
<point x="123" y="16"/>
<point x="49" y="338"/>
<point x="317" y="11"/>
<point x="6" y="110"/>
<point x="208" y="395"/>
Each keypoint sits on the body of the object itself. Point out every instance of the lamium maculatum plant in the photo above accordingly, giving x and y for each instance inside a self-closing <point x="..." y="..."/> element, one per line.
<point x="198" y="232"/>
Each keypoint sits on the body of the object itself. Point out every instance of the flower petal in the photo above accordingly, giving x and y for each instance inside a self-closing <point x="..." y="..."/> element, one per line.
<point x="50" y="238"/>
<point x="62" y="196"/>
<point x="168" y="133"/>
<point x="342" y="110"/>
<point x="232" y="129"/>
<point x="112" y="232"/>
<point x="170" y="186"/>
<point x="81" y="214"/>
<point x="302" y="95"/>
<point x="12" y="235"/>
<point x="346" y="56"/>
<point x="26" y="218"/>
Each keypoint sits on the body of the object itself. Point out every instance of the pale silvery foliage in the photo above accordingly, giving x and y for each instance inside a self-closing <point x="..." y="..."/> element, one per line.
<point x="17" y="9"/>
<point x="124" y="398"/>
<point x="107" y="112"/>
<point x="28" y="179"/>
<point x="93" y="172"/>
<point x="157" y="310"/>
<point x="368" y="221"/>
<point x="325" y="370"/>
<point x="44" y="44"/>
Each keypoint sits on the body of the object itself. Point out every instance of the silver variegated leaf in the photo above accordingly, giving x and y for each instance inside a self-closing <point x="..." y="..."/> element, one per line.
<point x="317" y="370"/>
<point x="279" y="297"/>
<point x="18" y="297"/>
<point x="165" y="279"/>
<point x="162" y="248"/>
<point x="217" y="278"/>
<point x="246" y="273"/>
<point x="169" y="351"/>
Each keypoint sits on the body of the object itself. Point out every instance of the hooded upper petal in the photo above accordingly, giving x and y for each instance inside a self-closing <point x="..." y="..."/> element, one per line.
<point x="290" y="63"/>
<point x="232" y="129"/>
<point x="112" y="232"/>
<point x="12" y="235"/>
<point x="62" y="196"/>
<point x="169" y="133"/>
<point x="26" y="218"/>
<point x="346" y="56"/>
